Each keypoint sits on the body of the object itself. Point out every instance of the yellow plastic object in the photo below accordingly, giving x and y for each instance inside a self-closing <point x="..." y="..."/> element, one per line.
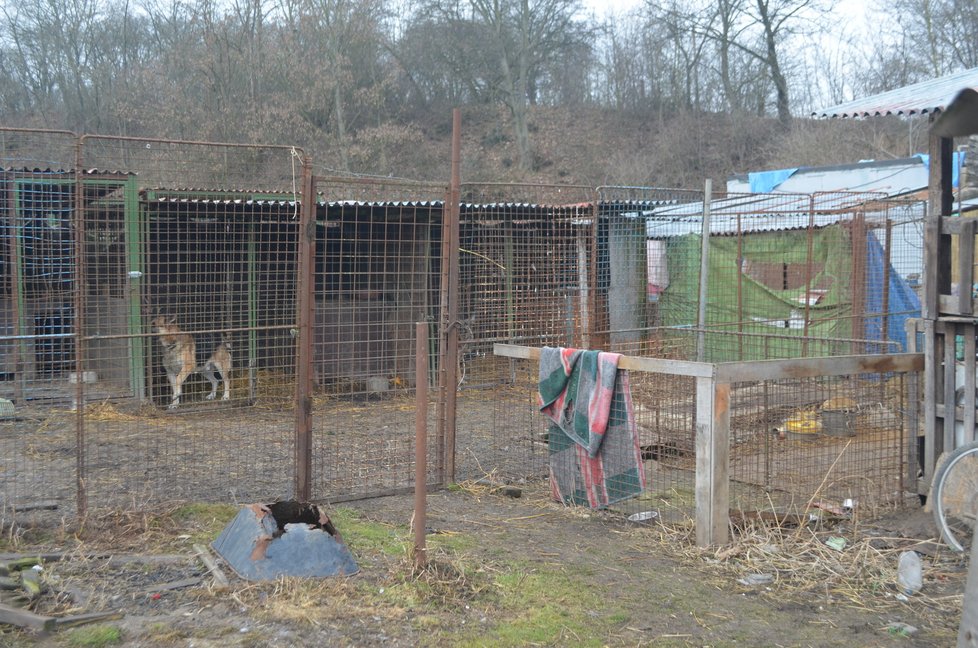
<point x="804" y="423"/>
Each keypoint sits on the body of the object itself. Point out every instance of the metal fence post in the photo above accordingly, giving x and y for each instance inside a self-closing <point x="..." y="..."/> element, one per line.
<point x="704" y="272"/>
<point x="449" y="311"/>
<point x="420" y="444"/>
<point x="305" y="294"/>
<point x="79" y="328"/>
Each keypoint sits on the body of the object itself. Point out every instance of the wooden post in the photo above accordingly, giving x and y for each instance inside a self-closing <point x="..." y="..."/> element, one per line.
<point x="968" y="332"/>
<point x="712" y="461"/>
<point x="937" y="246"/>
<point x="968" y="630"/>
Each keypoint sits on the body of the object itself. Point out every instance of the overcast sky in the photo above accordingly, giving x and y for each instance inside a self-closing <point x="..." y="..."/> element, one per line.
<point x="602" y="7"/>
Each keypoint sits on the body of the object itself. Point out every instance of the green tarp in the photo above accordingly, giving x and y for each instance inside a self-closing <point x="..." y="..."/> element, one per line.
<point x="771" y="280"/>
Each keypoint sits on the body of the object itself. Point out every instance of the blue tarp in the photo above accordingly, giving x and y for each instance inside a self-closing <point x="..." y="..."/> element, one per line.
<point x="766" y="181"/>
<point x="957" y="159"/>
<point x="903" y="301"/>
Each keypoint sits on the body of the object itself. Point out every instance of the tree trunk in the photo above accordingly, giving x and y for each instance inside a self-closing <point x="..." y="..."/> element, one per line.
<point x="774" y="66"/>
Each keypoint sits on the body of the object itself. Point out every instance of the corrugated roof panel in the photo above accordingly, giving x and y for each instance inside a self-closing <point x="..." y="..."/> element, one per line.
<point x="727" y="218"/>
<point x="916" y="99"/>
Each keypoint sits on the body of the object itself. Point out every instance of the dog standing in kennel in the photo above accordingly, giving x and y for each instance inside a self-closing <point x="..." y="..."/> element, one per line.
<point x="185" y="353"/>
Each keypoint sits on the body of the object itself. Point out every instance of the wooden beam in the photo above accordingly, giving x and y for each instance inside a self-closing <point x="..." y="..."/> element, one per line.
<point x="24" y="619"/>
<point x="813" y="367"/>
<point x="632" y="363"/>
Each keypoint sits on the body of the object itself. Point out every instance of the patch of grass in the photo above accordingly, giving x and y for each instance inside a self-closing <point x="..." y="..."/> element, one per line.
<point x="94" y="636"/>
<point x="203" y="522"/>
<point x="365" y="536"/>
<point x="456" y="542"/>
<point x="164" y="632"/>
<point x="202" y="513"/>
<point x="546" y="606"/>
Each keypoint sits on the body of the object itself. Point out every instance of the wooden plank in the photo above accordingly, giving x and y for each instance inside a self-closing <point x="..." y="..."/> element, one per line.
<point x="812" y="367"/>
<point x="948" y="305"/>
<point x="76" y="620"/>
<point x="205" y="557"/>
<point x="712" y="462"/>
<point x="958" y="224"/>
<point x="24" y="619"/>
<point x="632" y="363"/>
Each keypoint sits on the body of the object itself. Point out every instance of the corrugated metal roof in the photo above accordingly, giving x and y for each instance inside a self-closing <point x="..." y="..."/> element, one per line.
<point x="917" y="99"/>
<point x="65" y="172"/>
<point x="752" y="214"/>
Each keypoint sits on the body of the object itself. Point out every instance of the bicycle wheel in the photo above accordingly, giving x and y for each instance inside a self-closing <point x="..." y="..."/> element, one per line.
<point x="955" y="495"/>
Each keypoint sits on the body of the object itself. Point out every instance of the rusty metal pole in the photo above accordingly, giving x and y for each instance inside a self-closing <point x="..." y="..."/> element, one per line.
<point x="809" y="272"/>
<point x="420" y="444"/>
<point x="17" y="286"/>
<point x="305" y="292"/>
<point x="858" y="293"/>
<point x="450" y="235"/>
<point x="887" y="252"/>
<point x="594" y="342"/>
<point x="79" y="305"/>
<point x="704" y="272"/>
<point x="740" y="289"/>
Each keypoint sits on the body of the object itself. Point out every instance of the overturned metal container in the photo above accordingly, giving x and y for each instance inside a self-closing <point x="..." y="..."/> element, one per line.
<point x="289" y="538"/>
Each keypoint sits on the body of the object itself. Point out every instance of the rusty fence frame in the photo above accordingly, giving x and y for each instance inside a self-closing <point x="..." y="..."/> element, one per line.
<point x="710" y="377"/>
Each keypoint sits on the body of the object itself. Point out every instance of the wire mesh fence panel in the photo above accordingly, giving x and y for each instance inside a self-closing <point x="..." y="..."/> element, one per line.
<point x="802" y="450"/>
<point x="37" y="273"/>
<point x="525" y="277"/>
<point x="820" y="445"/>
<point x="377" y="273"/>
<point x="188" y="310"/>
<point x="779" y="271"/>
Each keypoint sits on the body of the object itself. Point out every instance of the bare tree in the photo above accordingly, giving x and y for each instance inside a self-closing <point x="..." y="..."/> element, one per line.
<point x="522" y="37"/>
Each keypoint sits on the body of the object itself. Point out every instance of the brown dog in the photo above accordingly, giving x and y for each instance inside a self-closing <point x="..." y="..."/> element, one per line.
<point x="184" y="354"/>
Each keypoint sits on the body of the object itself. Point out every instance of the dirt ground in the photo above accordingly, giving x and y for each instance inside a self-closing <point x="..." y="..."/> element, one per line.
<point x="504" y="571"/>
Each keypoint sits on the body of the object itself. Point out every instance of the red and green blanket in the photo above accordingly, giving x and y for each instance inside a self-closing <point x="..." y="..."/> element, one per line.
<point x="595" y="457"/>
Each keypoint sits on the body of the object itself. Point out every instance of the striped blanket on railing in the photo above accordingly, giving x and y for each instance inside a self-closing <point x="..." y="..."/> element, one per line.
<point x="595" y="457"/>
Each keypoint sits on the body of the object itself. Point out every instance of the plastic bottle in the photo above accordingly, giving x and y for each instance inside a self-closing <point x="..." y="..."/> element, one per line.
<point x="910" y="573"/>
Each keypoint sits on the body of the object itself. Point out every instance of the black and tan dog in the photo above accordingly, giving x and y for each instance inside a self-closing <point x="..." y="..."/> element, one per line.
<point x="185" y="353"/>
